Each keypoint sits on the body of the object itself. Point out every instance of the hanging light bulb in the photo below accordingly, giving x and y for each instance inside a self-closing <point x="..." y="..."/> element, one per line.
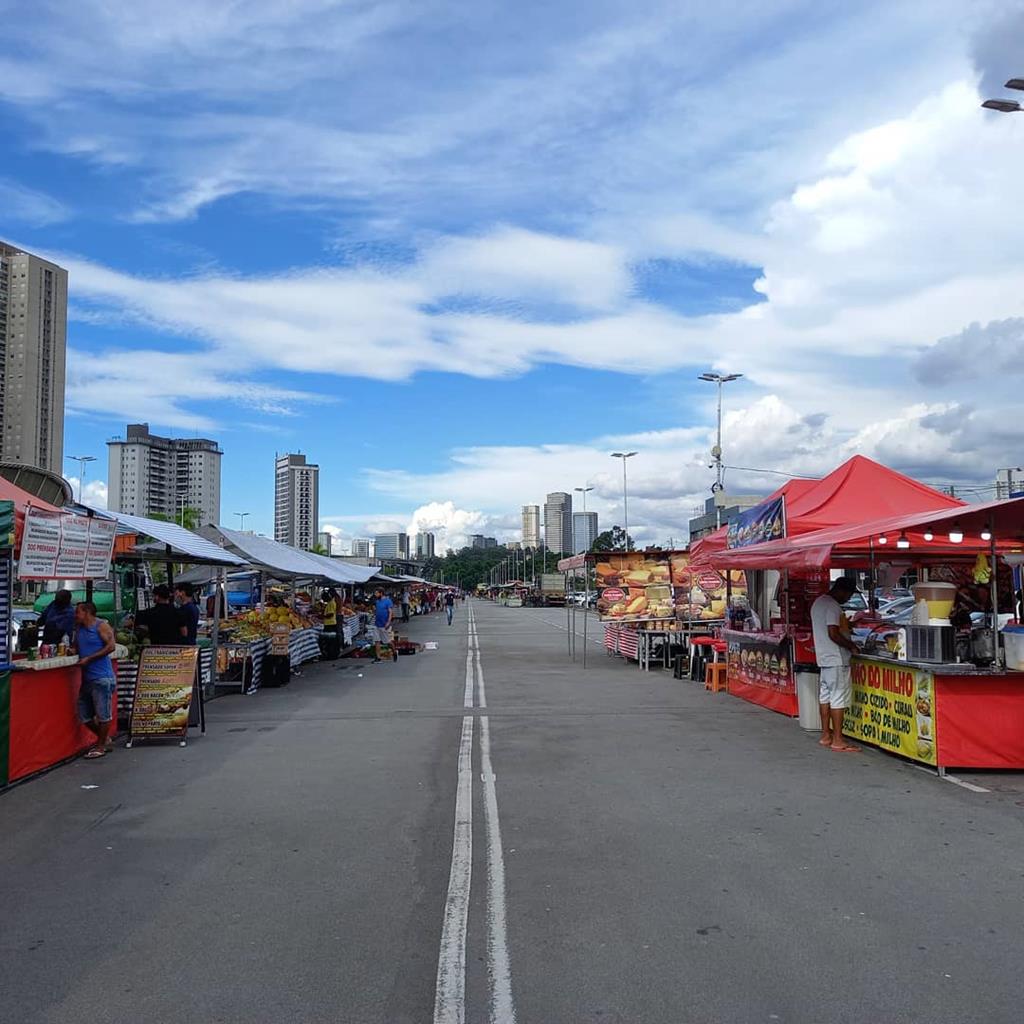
<point x="883" y="539"/>
<point x="903" y="541"/>
<point x="928" y="535"/>
<point x="986" y="534"/>
<point x="956" y="534"/>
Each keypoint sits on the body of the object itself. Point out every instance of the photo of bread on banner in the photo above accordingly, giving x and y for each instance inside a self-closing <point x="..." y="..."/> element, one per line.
<point x="172" y="711"/>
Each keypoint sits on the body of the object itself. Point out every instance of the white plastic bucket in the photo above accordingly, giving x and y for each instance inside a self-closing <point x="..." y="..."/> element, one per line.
<point x="807" y="691"/>
<point x="1013" y="642"/>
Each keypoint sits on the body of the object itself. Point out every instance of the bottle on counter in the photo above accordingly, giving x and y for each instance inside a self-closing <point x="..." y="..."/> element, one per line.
<point x="64" y="646"/>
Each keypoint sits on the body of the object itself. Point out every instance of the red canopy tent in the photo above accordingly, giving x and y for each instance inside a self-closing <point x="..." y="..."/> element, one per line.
<point x="860" y="490"/>
<point x="854" y="544"/>
<point x="21" y="499"/>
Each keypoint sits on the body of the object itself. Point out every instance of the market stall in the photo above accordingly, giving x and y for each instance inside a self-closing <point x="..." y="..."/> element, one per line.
<point x="917" y="693"/>
<point x="39" y="725"/>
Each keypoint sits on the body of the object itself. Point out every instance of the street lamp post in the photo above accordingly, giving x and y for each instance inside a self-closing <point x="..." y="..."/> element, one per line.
<point x="1007" y="106"/>
<point x="625" y="499"/>
<point x="583" y="491"/>
<point x="716" y="453"/>
<point x="241" y="520"/>
<point x="83" y="461"/>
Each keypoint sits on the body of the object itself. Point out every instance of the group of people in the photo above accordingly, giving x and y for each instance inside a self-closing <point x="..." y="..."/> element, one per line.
<point x="166" y="623"/>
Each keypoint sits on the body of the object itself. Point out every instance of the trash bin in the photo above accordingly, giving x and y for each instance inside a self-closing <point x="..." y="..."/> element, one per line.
<point x="807" y="699"/>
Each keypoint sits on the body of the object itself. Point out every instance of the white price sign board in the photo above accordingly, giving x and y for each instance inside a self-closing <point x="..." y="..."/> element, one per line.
<point x="65" y="547"/>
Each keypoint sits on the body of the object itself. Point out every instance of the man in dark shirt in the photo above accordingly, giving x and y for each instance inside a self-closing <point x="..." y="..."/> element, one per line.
<point x="58" y="619"/>
<point x="189" y="611"/>
<point x="163" y="622"/>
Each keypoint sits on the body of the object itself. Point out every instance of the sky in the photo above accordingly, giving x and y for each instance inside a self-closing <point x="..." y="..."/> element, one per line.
<point x="459" y="253"/>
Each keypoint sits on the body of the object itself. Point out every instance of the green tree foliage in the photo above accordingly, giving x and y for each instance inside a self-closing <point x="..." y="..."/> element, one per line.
<point x="468" y="567"/>
<point x="614" y="539"/>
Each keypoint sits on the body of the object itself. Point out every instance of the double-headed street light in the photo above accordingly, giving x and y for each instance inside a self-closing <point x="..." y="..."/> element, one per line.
<point x="716" y="453"/>
<point x="1007" y="106"/>
<point x="583" y="491"/>
<point x="83" y="461"/>
<point x="625" y="500"/>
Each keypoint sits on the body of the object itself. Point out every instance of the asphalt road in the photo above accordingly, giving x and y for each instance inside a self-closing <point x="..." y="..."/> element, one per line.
<point x="617" y="847"/>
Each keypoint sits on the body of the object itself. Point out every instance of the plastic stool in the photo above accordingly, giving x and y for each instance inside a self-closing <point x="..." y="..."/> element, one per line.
<point x="699" y="656"/>
<point x="715" y="676"/>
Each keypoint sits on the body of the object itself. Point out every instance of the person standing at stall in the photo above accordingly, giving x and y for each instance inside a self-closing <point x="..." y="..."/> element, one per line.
<point x="833" y="648"/>
<point x="94" y="643"/>
<point x="383" y="613"/>
<point x="188" y="611"/>
<point x="163" y="623"/>
<point x="58" y="619"/>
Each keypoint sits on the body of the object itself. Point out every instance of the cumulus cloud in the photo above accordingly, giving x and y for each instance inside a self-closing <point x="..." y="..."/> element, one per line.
<point x="94" y="493"/>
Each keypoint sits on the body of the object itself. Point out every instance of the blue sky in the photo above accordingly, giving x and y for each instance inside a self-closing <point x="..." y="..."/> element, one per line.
<point x="457" y="254"/>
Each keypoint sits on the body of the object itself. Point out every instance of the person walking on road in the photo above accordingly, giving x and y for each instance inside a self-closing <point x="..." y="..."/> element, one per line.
<point x="833" y="649"/>
<point x="383" y="613"/>
<point x="94" y="643"/>
<point x="405" y="604"/>
<point x="449" y="605"/>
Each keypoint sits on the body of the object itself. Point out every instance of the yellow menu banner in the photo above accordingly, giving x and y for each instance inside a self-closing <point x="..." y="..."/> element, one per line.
<point x="893" y="708"/>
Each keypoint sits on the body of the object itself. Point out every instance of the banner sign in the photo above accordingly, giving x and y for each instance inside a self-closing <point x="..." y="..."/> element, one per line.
<point x="759" y="524"/>
<point x="55" y="546"/>
<point x="164" y="688"/>
<point x="760" y="661"/>
<point x="700" y="591"/>
<point x="634" y="587"/>
<point x="893" y="708"/>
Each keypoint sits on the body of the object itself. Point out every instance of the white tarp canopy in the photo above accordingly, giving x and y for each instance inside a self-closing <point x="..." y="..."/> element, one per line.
<point x="283" y="560"/>
<point x="185" y="545"/>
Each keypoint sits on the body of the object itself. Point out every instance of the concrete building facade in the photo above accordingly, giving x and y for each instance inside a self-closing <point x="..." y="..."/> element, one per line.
<point x="425" y="543"/>
<point x="531" y="526"/>
<point x="558" y="522"/>
<point x="148" y="474"/>
<point x="391" y="545"/>
<point x="296" y="501"/>
<point x="33" y="353"/>
<point x="584" y="531"/>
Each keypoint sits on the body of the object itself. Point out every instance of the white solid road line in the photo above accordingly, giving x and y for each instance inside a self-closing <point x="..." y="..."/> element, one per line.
<point x="499" y="965"/>
<point x="450" y="996"/>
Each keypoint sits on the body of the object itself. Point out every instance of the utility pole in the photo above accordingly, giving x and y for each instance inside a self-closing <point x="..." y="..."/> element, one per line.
<point x="716" y="452"/>
<point x="625" y="500"/>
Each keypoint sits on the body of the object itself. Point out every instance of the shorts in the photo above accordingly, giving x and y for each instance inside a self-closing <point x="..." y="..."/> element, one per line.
<point x="96" y="699"/>
<point x="381" y="634"/>
<point x="835" y="687"/>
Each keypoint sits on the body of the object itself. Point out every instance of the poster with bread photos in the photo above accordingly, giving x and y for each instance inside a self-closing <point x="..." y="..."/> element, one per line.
<point x="634" y="586"/>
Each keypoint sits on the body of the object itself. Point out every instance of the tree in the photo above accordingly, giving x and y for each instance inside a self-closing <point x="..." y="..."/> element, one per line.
<point x="614" y="539"/>
<point x="189" y="518"/>
<point x="319" y="549"/>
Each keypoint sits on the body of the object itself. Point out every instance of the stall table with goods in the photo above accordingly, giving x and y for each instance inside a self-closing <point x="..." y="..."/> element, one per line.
<point x="652" y="603"/>
<point x="921" y="689"/>
<point x="39" y="725"/>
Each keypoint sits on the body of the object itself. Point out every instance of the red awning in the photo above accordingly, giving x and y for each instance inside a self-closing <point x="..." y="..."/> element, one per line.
<point x="22" y="499"/>
<point x="853" y="544"/>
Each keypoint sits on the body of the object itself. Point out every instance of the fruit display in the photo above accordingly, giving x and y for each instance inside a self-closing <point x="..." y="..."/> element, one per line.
<point x="257" y="624"/>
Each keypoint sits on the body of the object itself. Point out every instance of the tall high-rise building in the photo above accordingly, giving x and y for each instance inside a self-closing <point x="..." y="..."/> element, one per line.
<point x="584" y="531"/>
<point x="391" y="545"/>
<point x="296" y="501"/>
<point x="490" y="542"/>
<point x="148" y="474"/>
<point x="558" y="523"/>
<point x="425" y="545"/>
<point x="33" y="347"/>
<point x="531" y="526"/>
<point x="361" y="547"/>
<point x="476" y="540"/>
<point x="326" y="541"/>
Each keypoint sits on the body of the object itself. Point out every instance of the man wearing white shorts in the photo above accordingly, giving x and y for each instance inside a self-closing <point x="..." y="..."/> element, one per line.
<point x="832" y="650"/>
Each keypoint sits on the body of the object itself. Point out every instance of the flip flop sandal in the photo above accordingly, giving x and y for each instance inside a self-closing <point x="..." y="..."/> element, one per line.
<point x="95" y="753"/>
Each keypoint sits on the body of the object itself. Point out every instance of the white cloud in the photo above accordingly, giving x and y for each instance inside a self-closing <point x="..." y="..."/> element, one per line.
<point x="94" y="493"/>
<point x="29" y="206"/>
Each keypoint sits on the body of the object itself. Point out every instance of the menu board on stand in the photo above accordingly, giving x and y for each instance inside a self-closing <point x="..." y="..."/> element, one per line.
<point x="165" y="687"/>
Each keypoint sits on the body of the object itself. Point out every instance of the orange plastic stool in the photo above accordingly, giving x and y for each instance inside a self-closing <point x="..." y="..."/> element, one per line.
<point x="714" y="676"/>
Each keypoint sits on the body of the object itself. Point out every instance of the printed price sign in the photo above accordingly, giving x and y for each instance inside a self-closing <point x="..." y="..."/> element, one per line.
<point x="163" y="691"/>
<point x="55" y="546"/>
<point x="893" y="708"/>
